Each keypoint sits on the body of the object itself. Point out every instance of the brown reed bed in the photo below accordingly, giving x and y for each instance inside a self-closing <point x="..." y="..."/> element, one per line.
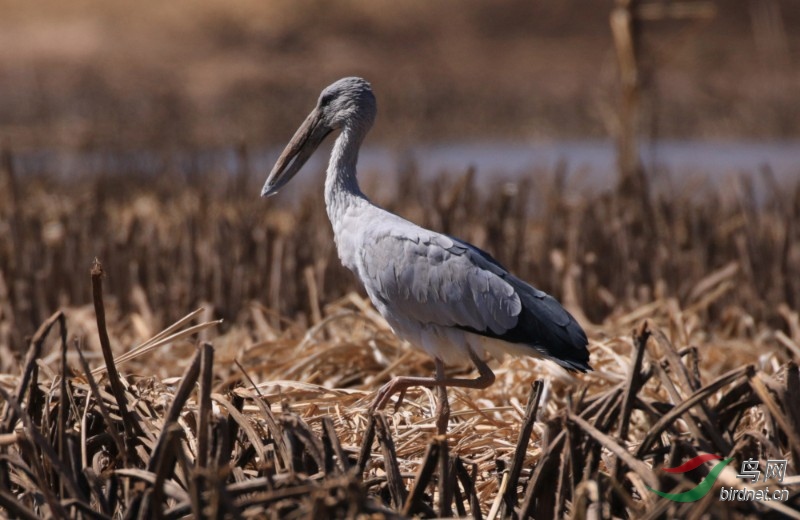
<point x="186" y="237"/>
<point x="690" y="304"/>
<point x="277" y="425"/>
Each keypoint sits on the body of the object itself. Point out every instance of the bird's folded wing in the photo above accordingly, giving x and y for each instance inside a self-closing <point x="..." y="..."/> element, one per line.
<point x="434" y="279"/>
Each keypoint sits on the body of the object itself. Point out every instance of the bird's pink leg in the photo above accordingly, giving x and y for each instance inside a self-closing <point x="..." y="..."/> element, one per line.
<point x="442" y="405"/>
<point x="402" y="383"/>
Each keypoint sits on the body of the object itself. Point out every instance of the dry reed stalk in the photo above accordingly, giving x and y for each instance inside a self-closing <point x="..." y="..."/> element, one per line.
<point x="531" y="410"/>
<point x="634" y="383"/>
<point x="422" y="478"/>
<point x="128" y="422"/>
<point x="95" y="390"/>
<point x="30" y="371"/>
<point x="393" y="479"/>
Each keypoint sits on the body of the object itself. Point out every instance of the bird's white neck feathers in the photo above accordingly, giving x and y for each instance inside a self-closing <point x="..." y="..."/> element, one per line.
<point x="343" y="197"/>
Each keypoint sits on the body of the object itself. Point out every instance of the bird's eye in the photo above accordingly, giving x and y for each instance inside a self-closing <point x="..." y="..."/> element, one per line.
<point x="325" y="100"/>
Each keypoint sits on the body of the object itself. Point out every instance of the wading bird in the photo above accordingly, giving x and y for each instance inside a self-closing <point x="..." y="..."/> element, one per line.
<point x="440" y="293"/>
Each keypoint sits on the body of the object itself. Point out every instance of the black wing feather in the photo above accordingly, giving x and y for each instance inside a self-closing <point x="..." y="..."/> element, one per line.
<point x="543" y="323"/>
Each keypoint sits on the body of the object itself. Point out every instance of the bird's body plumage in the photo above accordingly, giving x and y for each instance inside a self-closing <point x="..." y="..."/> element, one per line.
<point x="445" y="295"/>
<point x="441" y="294"/>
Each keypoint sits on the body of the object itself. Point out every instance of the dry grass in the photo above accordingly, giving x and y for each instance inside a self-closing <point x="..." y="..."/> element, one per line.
<point x="292" y="446"/>
<point x="715" y="279"/>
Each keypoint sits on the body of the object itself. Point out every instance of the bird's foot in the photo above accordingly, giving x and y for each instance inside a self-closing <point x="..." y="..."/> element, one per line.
<point x="400" y="396"/>
<point x="398" y="385"/>
<point x="384" y="394"/>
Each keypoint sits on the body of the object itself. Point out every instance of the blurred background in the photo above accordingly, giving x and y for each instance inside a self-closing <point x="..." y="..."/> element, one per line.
<point x="90" y="73"/>
<point x="582" y="142"/>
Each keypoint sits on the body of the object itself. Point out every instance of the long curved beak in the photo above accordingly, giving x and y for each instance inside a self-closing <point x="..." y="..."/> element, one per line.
<point x="307" y="138"/>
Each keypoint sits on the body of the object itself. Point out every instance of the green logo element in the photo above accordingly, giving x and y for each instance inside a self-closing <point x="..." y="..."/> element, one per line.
<point x="703" y="487"/>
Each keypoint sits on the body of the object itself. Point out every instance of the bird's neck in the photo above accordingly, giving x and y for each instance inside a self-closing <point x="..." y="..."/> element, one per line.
<point x="341" y="186"/>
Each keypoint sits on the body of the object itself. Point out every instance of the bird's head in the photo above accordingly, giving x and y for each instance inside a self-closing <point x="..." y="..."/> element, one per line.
<point x="348" y="102"/>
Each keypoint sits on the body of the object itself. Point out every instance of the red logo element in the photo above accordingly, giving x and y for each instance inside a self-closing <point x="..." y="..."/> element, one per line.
<point x="690" y="464"/>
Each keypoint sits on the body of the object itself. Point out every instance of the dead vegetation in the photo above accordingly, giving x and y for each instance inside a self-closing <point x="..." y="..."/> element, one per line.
<point x="299" y="443"/>
<point x="181" y="237"/>
<point x="266" y="416"/>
